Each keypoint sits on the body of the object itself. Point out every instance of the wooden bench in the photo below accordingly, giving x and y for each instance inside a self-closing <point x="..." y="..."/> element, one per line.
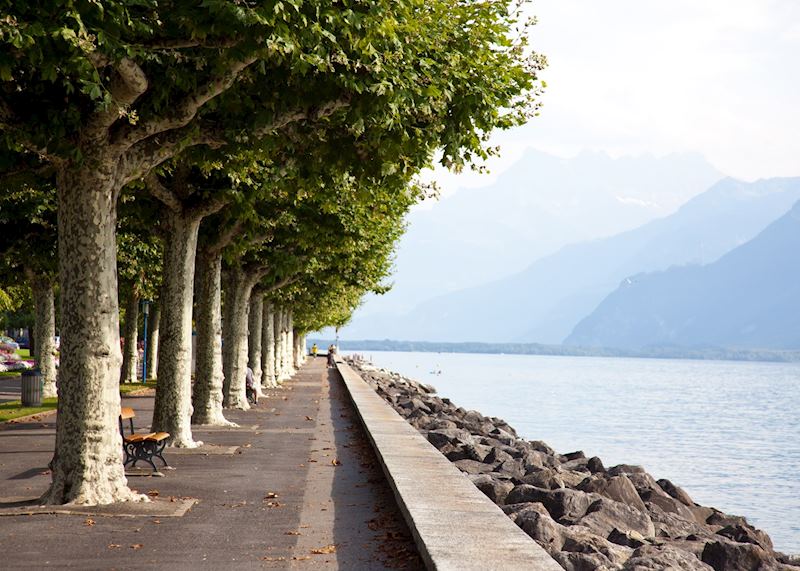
<point x="142" y="446"/>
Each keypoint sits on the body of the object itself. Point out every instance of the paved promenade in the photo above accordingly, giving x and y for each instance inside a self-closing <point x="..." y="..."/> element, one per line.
<point x="297" y="486"/>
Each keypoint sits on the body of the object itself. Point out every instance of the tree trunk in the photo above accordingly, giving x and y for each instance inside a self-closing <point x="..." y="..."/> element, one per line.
<point x="207" y="392"/>
<point x="254" y="338"/>
<point x="44" y="332"/>
<point x="268" y="347"/>
<point x="299" y="349"/>
<point x="280" y="346"/>
<point x="173" y="407"/>
<point x="234" y="350"/>
<point x="87" y="464"/>
<point x="152" y="339"/>
<point x="130" y="351"/>
<point x="289" y="345"/>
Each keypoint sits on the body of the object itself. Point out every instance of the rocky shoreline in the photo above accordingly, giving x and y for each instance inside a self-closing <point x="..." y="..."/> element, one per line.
<point x="587" y="516"/>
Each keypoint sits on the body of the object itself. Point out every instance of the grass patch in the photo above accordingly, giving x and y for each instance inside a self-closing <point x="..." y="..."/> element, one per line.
<point x="126" y="388"/>
<point x="14" y="409"/>
<point x="9" y="374"/>
<point x="24" y="353"/>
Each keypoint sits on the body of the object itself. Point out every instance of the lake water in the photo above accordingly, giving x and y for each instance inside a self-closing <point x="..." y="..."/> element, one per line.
<point x="727" y="432"/>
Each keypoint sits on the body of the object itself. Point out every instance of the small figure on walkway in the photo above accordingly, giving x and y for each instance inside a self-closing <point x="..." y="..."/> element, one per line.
<point x="250" y="387"/>
<point x="314" y="350"/>
<point x="331" y="355"/>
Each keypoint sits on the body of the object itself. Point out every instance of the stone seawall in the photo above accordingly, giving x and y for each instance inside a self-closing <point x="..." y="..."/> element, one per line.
<point x="587" y="516"/>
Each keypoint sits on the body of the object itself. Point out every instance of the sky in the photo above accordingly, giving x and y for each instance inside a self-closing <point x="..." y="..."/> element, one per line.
<point x="629" y="77"/>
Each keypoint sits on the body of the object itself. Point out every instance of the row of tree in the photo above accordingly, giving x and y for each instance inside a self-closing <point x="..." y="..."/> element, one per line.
<point x="270" y="147"/>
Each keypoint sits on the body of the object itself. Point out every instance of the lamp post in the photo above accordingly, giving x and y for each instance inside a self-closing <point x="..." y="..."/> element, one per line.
<point x="145" y="312"/>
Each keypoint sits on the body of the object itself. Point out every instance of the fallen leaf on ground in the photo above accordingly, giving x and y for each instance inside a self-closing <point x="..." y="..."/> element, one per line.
<point x="89" y="522"/>
<point x="267" y="558"/>
<point x="274" y="505"/>
<point x="324" y="550"/>
<point x="114" y="546"/>
<point x="292" y="533"/>
<point x="270" y="495"/>
<point x="300" y="557"/>
<point x="309" y="418"/>
<point x="156" y="521"/>
<point x="153" y="493"/>
<point x="336" y="462"/>
<point x="136" y="545"/>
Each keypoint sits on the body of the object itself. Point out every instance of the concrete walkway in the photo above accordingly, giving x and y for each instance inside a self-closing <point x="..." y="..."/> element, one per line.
<point x="297" y="486"/>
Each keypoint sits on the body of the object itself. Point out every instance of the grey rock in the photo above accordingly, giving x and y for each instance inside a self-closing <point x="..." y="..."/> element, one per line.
<point x="729" y="556"/>
<point x="541" y="447"/>
<point x="675" y="492"/>
<point x="473" y="467"/>
<point x="746" y="534"/>
<point x="544" y="478"/>
<point x="495" y="489"/>
<point x="563" y="505"/>
<point x="595" y="465"/>
<point x="627" y="538"/>
<point x="443" y="436"/>
<point x="497" y="455"/>
<point x="661" y="557"/>
<point x="574" y="561"/>
<point x="605" y="515"/>
<point x="618" y="488"/>
<point x="626" y="469"/>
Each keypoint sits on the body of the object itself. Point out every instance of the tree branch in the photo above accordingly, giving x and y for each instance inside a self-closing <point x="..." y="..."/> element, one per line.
<point x="162" y="193"/>
<point x="128" y="84"/>
<point x="225" y="238"/>
<point x="186" y="109"/>
<point x="208" y="207"/>
<point x="288" y="280"/>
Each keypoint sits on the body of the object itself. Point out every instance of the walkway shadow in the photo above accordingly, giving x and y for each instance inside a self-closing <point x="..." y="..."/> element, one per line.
<point x="361" y="495"/>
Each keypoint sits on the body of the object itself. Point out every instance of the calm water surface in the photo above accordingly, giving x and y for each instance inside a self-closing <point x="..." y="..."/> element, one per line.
<point x="727" y="432"/>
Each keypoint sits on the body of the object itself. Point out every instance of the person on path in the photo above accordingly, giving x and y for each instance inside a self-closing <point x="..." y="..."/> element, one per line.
<point x="332" y="355"/>
<point x="314" y="350"/>
<point x="250" y="386"/>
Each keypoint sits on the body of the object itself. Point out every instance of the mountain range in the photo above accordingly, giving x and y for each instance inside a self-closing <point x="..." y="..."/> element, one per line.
<point x="750" y="298"/>
<point x="546" y="300"/>
<point x="538" y="205"/>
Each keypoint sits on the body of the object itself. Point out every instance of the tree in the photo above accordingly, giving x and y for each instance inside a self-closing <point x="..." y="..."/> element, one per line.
<point x="105" y="93"/>
<point x="139" y="270"/>
<point x="28" y="254"/>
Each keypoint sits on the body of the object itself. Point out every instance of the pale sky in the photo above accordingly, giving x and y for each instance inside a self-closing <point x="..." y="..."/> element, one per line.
<point x="718" y="77"/>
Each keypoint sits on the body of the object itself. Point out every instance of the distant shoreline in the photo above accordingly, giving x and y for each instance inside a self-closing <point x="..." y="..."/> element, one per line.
<point x="701" y="354"/>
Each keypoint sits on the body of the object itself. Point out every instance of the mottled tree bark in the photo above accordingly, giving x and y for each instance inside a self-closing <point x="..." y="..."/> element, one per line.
<point x="299" y="349"/>
<point x="234" y="350"/>
<point x="207" y="392"/>
<point x="290" y="370"/>
<point x="44" y="331"/>
<point x="130" y="352"/>
<point x="254" y="331"/>
<point x="268" y="347"/>
<point x="153" y="324"/>
<point x="280" y="346"/>
<point x="173" y="406"/>
<point x="87" y="464"/>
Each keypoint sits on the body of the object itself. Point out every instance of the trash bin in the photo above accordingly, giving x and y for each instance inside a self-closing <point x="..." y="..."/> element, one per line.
<point x="32" y="387"/>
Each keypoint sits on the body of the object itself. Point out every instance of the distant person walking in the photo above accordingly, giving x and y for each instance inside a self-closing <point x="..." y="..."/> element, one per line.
<point x="314" y="350"/>
<point x="332" y="355"/>
<point x="250" y="386"/>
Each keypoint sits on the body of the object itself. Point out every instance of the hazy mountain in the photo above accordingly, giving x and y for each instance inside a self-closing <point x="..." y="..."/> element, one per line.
<point x="544" y="302"/>
<point x="540" y="204"/>
<point x="748" y="298"/>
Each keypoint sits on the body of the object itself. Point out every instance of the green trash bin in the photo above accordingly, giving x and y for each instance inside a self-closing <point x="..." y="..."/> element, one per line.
<point x="32" y="387"/>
